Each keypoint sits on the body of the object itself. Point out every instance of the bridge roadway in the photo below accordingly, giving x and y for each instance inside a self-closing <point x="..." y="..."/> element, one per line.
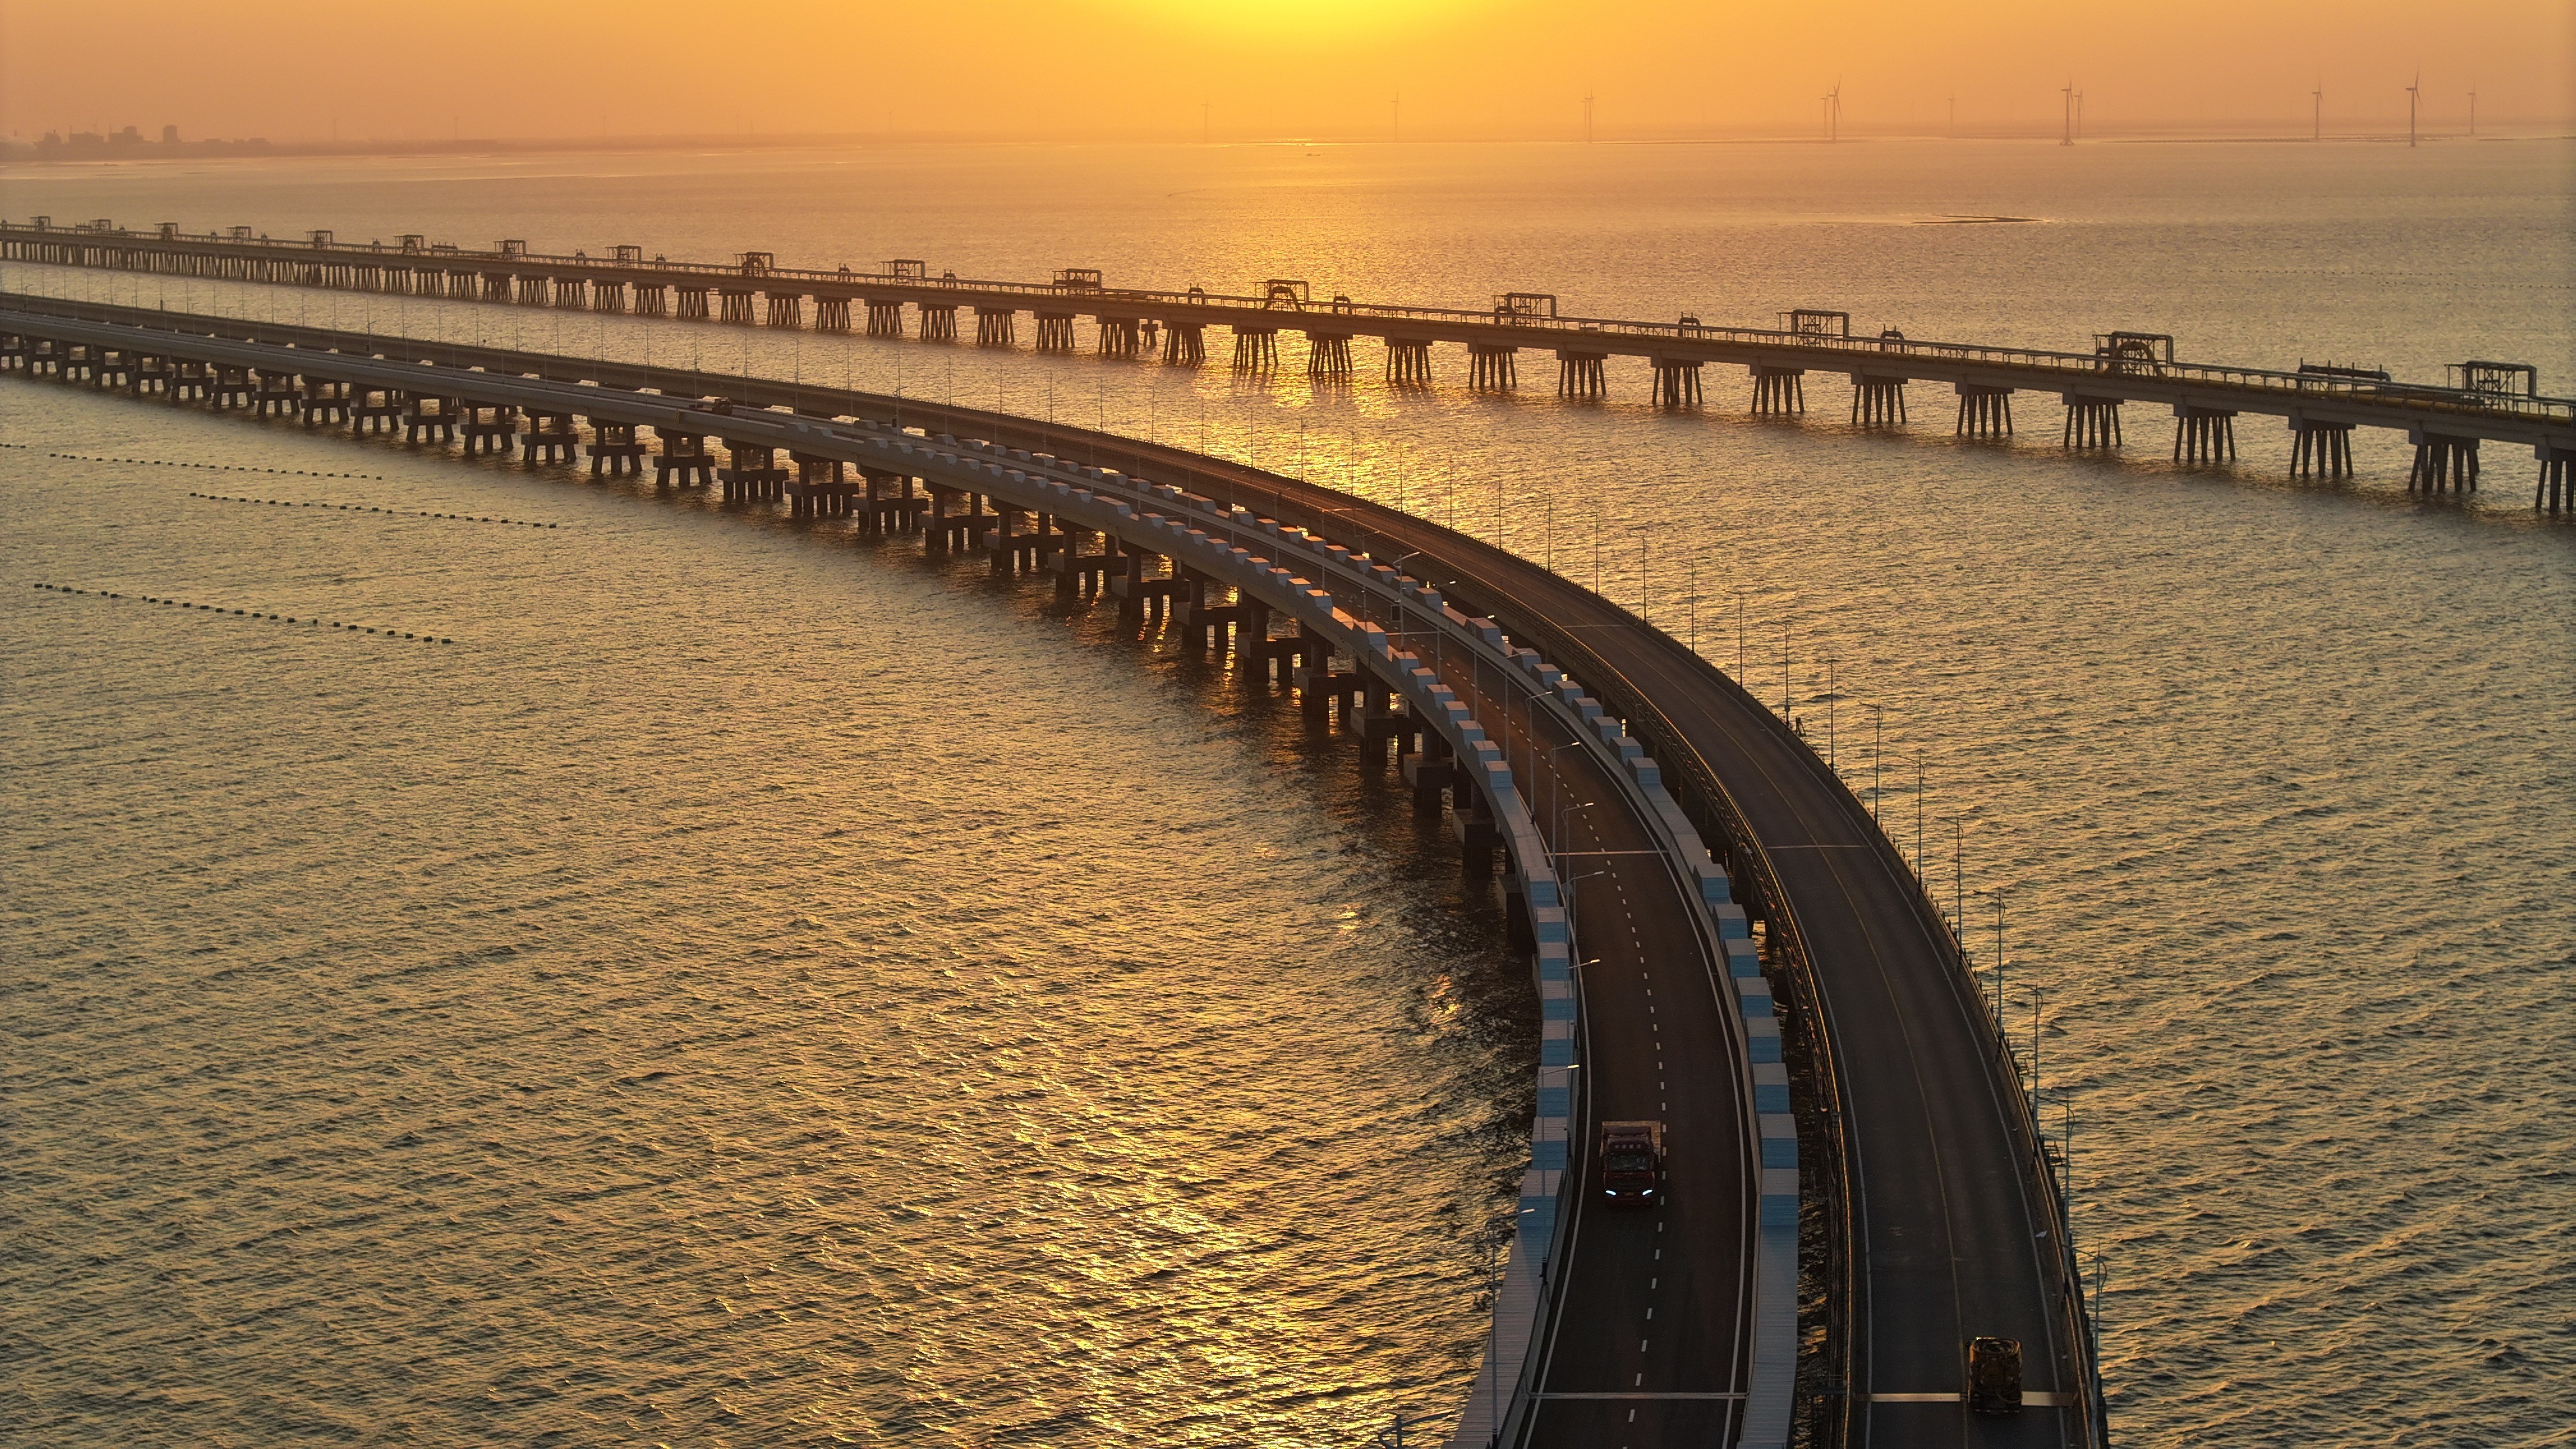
<point x="1650" y="1342"/>
<point x="2445" y="422"/>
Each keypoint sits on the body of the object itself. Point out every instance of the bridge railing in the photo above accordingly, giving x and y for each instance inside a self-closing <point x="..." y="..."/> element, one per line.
<point x="2046" y="368"/>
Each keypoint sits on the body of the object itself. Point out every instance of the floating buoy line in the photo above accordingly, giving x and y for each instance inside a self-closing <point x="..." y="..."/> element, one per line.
<point x="367" y="508"/>
<point x="245" y="613"/>
<point x="177" y="463"/>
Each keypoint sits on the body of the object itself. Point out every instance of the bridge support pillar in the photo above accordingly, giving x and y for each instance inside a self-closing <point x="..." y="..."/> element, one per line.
<point x="684" y="456"/>
<point x="1055" y="331"/>
<point x="1677" y="382"/>
<point x="2442" y="464"/>
<point x="1430" y="772"/>
<point x="2557" y="483"/>
<point x="572" y="292"/>
<point x="821" y="488"/>
<point x="786" y="309"/>
<point x="938" y="321"/>
<point x="429" y="419"/>
<point x="831" y="314"/>
<point x="1491" y="368"/>
<point x="371" y="409"/>
<point x="550" y="438"/>
<point x="489" y="429"/>
<point x="1117" y="337"/>
<point x="614" y="448"/>
<point x="1579" y="374"/>
<point x="1408" y="361"/>
<point x="1011" y="548"/>
<point x="754" y="476"/>
<point x="693" y="304"/>
<point x="1877" y="401"/>
<point x="1185" y="344"/>
<point x="885" y="319"/>
<point x="1984" y="412"/>
<point x="996" y="327"/>
<point x="2204" y="435"/>
<point x="2320" y="450"/>
<point x="1328" y="354"/>
<point x="608" y="297"/>
<point x="1779" y="391"/>
<point x="532" y="291"/>
<point x="1256" y="349"/>
<point x="735" y="306"/>
<point x="2091" y="422"/>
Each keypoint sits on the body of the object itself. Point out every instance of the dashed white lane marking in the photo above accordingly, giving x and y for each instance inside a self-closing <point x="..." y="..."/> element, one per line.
<point x="2030" y="1399"/>
<point x="1641" y="1347"/>
<point x="1650" y="1313"/>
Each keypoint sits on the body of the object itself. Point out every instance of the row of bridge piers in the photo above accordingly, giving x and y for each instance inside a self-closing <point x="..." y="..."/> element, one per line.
<point x="2442" y="465"/>
<point x="1206" y="617"/>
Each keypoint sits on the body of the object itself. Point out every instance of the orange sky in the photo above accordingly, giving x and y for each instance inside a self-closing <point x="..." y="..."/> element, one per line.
<point x="1266" y="68"/>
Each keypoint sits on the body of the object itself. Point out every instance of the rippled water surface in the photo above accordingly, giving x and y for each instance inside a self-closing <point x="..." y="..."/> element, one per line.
<point x="755" y="987"/>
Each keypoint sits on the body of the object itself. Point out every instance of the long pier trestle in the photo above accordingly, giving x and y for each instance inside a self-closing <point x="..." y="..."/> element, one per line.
<point x="1984" y="412"/>
<point x="1328" y="354"/>
<point x="1579" y="374"/>
<point x="1408" y="361"/>
<point x="2204" y="435"/>
<point x="2320" y="450"/>
<point x="1256" y="349"/>
<point x="1677" y="382"/>
<point x="1491" y="368"/>
<point x="1778" y="391"/>
<point x="2091" y="423"/>
<point x="2443" y="464"/>
<point x="1877" y="401"/>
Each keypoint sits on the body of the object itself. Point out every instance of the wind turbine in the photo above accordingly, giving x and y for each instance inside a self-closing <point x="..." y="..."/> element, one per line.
<point x="2473" y="113"/>
<point x="2318" y="96"/>
<point x="1587" y="118"/>
<point x="2413" y="94"/>
<point x="1834" y="111"/>
<point x="2066" y="114"/>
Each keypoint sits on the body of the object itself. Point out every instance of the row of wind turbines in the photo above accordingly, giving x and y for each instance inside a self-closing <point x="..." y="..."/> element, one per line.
<point x="2073" y="112"/>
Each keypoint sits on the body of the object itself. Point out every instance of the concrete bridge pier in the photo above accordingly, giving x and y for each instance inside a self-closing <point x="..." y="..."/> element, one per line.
<point x="1491" y="368"/>
<point x="1408" y="361"/>
<point x="734" y="305"/>
<point x="2555" y="481"/>
<point x="1579" y="374"/>
<point x="1328" y="354"/>
<point x="1079" y="574"/>
<point x="276" y="394"/>
<point x="1256" y="349"/>
<point x="1877" y="401"/>
<point x="956" y="521"/>
<point x="550" y="438"/>
<point x="2091" y="422"/>
<point x="752" y="474"/>
<point x="1779" y="391"/>
<point x="152" y="373"/>
<point x="428" y="419"/>
<point x="1011" y="548"/>
<point x="693" y="303"/>
<point x="194" y="381"/>
<point x="831" y="314"/>
<point x="488" y="428"/>
<point x="1984" y="412"/>
<point x="885" y="319"/>
<point x="2204" y="435"/>
<point x="820" y="490"/>
<point x="1055" y="331"/>
<point x="1677" y="382"/>
<point x="891" y="504"/>
<point x="230" y="387"/>
<point x="938" y="321"/>
<point x="1185" y="344"/>
<point x="652" y="299"/>
<point x="1387" y="726"/>
<point x="2320" y="450"/>
<point x="326" y="400"/>
<point x="1471" y="824"/>
<point x="1430" y="772"/>
<point x="1117" y="337"/>
<point x="684" y="456"/>
<point x="2442" y="464"/>
<point x="614" y="448"/>
<point x="997" y="326"/>
<point x="786" y="309"/>
<point x="371" y="409"/>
